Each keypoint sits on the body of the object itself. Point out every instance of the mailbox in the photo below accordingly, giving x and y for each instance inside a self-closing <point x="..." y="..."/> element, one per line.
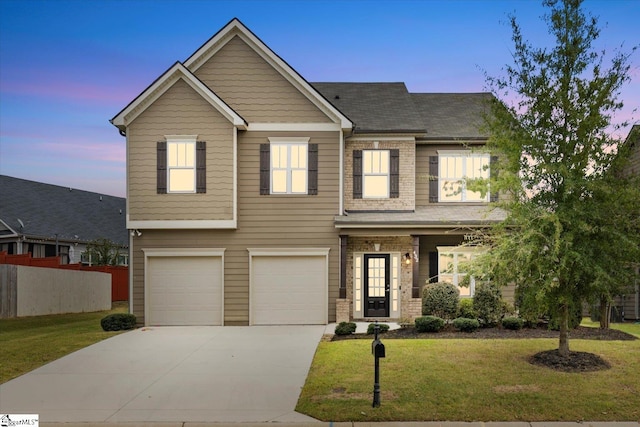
<point x="377" y="348"/>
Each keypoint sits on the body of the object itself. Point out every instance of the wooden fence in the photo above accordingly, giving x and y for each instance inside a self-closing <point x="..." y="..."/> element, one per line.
<point x="119" y="274"/>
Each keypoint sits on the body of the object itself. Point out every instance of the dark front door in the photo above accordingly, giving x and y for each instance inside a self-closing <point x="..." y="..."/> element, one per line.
<point x="376" y="285"/>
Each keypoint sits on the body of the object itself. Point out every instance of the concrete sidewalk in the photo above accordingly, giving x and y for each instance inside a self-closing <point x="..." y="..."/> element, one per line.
<point x="173" y="374"/>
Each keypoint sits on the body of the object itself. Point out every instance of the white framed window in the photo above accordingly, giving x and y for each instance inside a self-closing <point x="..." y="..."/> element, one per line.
<point x="375" y="174"/>
<point x="454" y="169"/>
<point x="181" y="164"/>
<point x="289" y="168"/>
<point x="452" y="267"/>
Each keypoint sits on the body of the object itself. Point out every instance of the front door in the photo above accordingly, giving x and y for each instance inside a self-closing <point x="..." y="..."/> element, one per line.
<point x="376" y="285"/>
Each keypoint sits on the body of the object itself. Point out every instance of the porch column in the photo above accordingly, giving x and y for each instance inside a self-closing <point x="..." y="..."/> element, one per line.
<point x="415" y="289"/>
<point x="343" y="267"/>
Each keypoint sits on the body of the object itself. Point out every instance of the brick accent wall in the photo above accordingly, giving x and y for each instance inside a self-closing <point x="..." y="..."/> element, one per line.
<point x="343" y="310"/>
<point x="391" y="244"/>
<point x="406" y="201"/>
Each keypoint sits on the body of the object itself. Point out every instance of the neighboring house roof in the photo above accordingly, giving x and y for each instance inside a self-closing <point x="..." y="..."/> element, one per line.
<point x="438" y="215"/>
<point x="39" y="210"/>
<point x="391" y="108"/>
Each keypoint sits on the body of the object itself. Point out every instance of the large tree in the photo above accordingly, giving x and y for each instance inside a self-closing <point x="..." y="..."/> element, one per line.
<point x="572" y="223"/>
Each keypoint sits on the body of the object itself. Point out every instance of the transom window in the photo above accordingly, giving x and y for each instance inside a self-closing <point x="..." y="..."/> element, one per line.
<point x="375" y="174"/>
<point x="181" y="166"/>
<point x="289" y="168"/>
<point x="455" y="168"/>
<point x="452" y="267"/>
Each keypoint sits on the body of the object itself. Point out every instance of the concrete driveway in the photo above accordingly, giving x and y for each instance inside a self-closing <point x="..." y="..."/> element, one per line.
<point x="184" y="374"/>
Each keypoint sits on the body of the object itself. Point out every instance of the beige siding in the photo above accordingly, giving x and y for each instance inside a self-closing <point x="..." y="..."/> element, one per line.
<point x="263" y="221"/>
<point x="180" y="111"/>
<point x="633" y="168"/>
<point x="254" y="89"/>
<point x="406" y="201"/>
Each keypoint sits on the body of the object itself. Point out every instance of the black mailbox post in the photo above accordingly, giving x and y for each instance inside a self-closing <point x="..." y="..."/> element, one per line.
<point x="378" y="351"/>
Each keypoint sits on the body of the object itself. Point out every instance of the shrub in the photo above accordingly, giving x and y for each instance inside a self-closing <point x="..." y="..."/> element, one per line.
<point x="345" y="328"/>
<point x="466" y="325"/>
<point x="440" y="299"/>
<point x="383" y="328"/>
<point x="118" y="322"/>
<point x="429" y="324"/>
<point x="487" y="302"/>
<point x="513" y="323"/>
<point x="466" y="310"/>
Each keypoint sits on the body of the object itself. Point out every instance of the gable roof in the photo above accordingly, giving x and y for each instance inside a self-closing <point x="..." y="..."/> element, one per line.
<point x="39" y="210"/>
<point x="236" y="28"/>
<point x="391" y="108"/>
<point x="453" y="115"/>
<point x="375" y="107"/>
<point x="161" y="85"/>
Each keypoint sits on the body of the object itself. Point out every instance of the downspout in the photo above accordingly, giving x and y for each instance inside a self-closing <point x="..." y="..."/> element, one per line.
<point x="341" y="191"/>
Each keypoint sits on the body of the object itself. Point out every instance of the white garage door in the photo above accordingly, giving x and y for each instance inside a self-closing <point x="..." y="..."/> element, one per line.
<point x="184" y="290"/>
<point x="289" y="290"/>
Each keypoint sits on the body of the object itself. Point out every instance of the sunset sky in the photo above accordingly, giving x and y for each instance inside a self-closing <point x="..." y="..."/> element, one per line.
<point x="67" y="67"/>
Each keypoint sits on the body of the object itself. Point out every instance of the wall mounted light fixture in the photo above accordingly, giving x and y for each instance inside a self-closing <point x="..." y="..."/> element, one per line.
<point x="407" y="258"/>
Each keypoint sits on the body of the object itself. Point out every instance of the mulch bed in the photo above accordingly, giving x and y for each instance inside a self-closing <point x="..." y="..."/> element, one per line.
<point x="581" y="332"/>
<point x="576" y="361"/>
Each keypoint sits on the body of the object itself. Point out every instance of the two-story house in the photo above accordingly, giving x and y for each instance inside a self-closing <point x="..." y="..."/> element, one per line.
<point x="255" y="197"/>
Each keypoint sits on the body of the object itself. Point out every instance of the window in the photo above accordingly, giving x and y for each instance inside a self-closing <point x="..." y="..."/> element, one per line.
<point x="454" y="168"/>
<point x="181" y="166"/>
<point x="181" y="162"/>
<point x="452" y="263"/>
<point x="375" y="174"/>
<point x="288" y="168"/>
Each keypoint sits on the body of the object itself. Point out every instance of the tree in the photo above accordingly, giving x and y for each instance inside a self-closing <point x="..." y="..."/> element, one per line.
<point x="572" y="224"/>
<point x="103" y="252"/>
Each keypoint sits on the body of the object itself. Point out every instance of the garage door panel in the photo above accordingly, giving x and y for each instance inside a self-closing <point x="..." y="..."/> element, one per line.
<point x="185" y="290"/>
<point x="289" y="290"/>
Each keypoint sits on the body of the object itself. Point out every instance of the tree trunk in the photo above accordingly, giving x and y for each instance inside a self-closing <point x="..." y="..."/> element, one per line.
<point x="563" y="346"/>
<point x="605" y="313"/>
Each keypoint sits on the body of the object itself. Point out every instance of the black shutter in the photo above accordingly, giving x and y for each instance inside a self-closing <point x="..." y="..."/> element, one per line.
<point x="312" y="183"/>
<point x="433" y="179"/>
<point x="201" y="167"/>
<point x="357" y="174"/>
<point x="161" y="167"/>
<point x="433" y="267"/>
<point x="493" y="196"/>
<point x="394" y="176"/>
<point x="265" y="170"/>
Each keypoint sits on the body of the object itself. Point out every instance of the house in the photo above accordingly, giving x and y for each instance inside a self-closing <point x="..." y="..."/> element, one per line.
<point x="256" y="197"/>
<point x="49" y="220"/>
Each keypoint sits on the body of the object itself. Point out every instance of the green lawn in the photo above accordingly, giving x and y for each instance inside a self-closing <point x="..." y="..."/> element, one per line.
<point x="630" y="328"/>
<point x="30" y="342"/>
<point x="470" y="380"/>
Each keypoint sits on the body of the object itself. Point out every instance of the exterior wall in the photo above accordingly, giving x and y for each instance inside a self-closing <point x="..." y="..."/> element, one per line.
<point x="388" y="244"/>
<point x="270" y="221"/>
<point x="36" y="291"/>
<point x="237" y="74"/>
<point x="406" y="201"/>
<point x="180" y="111"/>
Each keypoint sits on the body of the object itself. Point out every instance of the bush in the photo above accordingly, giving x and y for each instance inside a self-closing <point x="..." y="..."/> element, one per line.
<point x="466" y="325"/>
<point x="383" y="328"/>
<point x="345" y="328"/>
<point x="466" y="310"/>
<point x="487" y="302"/>
<point x="118" y="322"/>
<point x="513" y="323"/>
<point x="429" y="324"/>
<point x="440" y="299"/>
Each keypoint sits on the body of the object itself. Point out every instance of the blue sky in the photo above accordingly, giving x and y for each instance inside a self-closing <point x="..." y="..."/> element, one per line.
<point x="67" y="67"/>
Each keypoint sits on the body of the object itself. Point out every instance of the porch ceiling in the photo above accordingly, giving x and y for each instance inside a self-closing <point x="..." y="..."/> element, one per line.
<point x="435" y="216"/>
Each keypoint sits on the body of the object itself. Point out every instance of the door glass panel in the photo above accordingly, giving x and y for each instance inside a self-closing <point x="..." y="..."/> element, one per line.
<point x="376" y="277"/>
